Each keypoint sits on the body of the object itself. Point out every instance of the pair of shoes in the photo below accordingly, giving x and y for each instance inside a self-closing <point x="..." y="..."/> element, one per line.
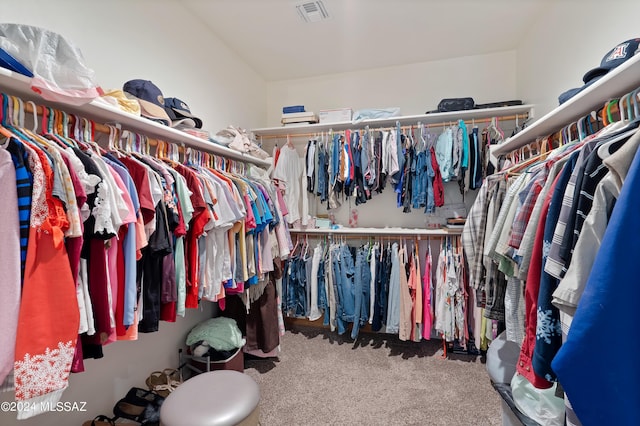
<point x="164" y="382"/>
<point x="140" y="405"/>
<point x="99" y="421"/>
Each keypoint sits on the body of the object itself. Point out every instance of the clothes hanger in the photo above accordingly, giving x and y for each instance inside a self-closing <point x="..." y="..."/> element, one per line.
<point x="580" y="126"/>
<point x="55" y="127"/>
<point x="625" y="112"/>
<point x="608" y="118"/>
<point x="518" y="167"/>
<point x="3" y="116"/>
<point x="64" y="129"/>
<point x="634" y="97"/>
<point x="16" y="116"/>
<point x="3" y="130"/>
<point x="160" y="147"/>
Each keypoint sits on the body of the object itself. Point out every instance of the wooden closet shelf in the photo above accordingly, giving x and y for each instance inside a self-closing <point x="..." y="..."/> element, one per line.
<point x="391" y="232"/>
<point x="440" y="118"/>
<point x="615" y="83"/>
<point x="18" y="85"/>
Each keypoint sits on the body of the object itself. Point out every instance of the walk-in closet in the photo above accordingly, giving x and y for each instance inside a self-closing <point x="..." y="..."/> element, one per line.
<point x="319" y="212"/>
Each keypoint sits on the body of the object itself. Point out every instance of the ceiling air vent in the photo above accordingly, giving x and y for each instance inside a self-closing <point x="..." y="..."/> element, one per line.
<point x="312" y="11"/>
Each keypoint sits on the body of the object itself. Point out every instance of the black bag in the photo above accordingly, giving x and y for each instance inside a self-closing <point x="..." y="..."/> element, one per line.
<point x="456" y="104"/>
<point x="499" y="104"/>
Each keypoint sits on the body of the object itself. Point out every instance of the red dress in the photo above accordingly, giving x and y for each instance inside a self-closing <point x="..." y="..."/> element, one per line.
<point x="49" y="316"/>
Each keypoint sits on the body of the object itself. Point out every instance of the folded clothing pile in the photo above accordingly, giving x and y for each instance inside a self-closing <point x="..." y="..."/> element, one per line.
<point x="217" y="337"/>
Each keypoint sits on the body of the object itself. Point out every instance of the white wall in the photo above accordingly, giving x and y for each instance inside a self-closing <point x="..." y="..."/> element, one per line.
<point x="566" y="43"/>
<point x="415" y="88"/>
<point x="157" y="41"/>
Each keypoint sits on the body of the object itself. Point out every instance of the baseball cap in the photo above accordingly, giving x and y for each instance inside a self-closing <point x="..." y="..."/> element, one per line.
<point x="180" y="114"/>
<point x="150" y="98"/>
<point x="119" y="99"/>
<point x="615" y="57"/>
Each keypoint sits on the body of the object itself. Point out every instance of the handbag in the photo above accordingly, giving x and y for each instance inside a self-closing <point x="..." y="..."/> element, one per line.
<point x="456" y="104"/>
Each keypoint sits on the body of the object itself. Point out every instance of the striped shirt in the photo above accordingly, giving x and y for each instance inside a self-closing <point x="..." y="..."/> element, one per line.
<point x="473" y="233"/>
<point x="24" y="182"/>
<point x="555" y="265"/>
<point x="594" y="171"/>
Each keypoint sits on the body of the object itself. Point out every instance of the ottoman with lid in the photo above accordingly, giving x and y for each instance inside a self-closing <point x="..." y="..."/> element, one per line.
<point x="216" y="398"/>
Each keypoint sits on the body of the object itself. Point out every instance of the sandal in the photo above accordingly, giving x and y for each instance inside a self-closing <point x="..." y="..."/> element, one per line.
<point x="164" y="382"/>
<point x="174" y="377"/>
<point x="139" y="405"/>
<point x="158" y="382"/>
<point x="100" y="421"/>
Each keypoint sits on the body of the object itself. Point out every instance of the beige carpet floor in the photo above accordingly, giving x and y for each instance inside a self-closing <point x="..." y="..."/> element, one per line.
<point x="321" y="378"/>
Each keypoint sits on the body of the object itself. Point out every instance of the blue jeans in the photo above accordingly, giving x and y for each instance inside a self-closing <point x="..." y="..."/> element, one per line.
<point x="307" y="294"/>
<point x="419" y="185"/>
<point x="322" y="188"/>
<point x="347" y="290"/>
<point x="431" y="199"/>
<point x="294" y="286"/>
<point x="323" y="300"/>
<point x="302" y="309"/>
<point x="335" y="158"/>
<point x="383" y="274"/>
<point x="361" y="292"/>
<point x="337" y="287"/>
<point x="288" y="290"/>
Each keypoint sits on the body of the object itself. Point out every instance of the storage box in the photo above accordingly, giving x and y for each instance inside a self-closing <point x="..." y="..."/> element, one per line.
<point x="339" y="115"/>
<point x="322" y="223"/>
<point x="299" y="117"/>
<point x="202" y="364"/>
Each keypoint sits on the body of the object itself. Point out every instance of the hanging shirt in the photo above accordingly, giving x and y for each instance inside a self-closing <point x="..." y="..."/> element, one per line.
<point x="10" y="261"/>
<point x="200" y="218"/>
<point x="288" y="172"/>
<point x="51" y="354"/>
<point x="426" y="302"/>
<point x="24" y="183"/>
<point x="438" y="187"/>
<point x="602" y="390"/>
<point x="444" y="154"/>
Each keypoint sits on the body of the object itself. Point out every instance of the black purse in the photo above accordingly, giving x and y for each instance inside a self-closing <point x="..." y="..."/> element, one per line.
<point x="456" y="104"/>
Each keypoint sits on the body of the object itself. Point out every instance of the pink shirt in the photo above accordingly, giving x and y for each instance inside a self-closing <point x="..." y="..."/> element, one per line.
<point x="9" y="264"/>
<point x="427" y="320"/>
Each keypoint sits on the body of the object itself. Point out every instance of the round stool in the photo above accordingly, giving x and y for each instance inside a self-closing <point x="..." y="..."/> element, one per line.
<point x="216" y="398"/>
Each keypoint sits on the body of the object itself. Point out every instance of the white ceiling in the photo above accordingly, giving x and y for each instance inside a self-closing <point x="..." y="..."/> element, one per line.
<point x="363" y="34"/>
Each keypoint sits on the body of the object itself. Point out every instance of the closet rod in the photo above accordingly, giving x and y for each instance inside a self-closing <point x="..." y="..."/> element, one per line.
<point x="105" y="129"/>
<point x="378" y="237"/>
<point x="438" y="234"/>
<point x="409" y="127"/>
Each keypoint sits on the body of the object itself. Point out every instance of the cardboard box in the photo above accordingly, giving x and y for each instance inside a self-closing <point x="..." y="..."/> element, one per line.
<point x="335" y="115"/>
<point x="299" y="117"/>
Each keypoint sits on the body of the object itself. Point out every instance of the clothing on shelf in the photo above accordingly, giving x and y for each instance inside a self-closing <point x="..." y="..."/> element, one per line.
<point x="357" y="164"/>
<point x="380" y="284"/>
